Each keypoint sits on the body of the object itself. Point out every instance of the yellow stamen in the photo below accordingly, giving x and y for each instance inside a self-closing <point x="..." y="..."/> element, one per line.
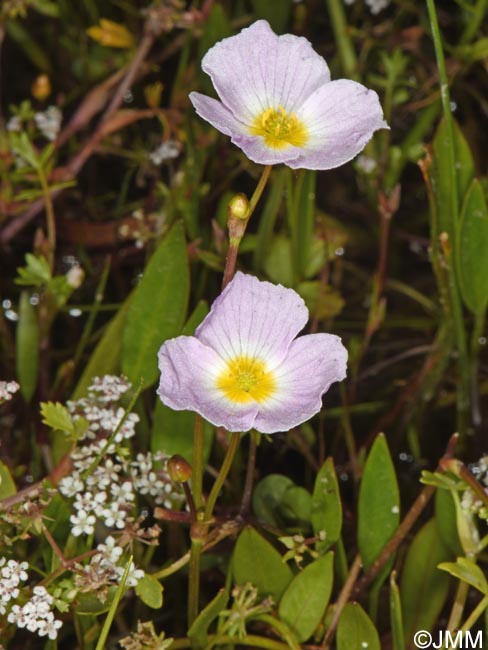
<point x="246" y="379"/>
<point x="279" y="129"/>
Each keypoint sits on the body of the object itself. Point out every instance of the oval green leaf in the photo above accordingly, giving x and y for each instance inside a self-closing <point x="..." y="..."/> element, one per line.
<point x="27" y="347"/>
<point x="267" y="497"/>
<point x="326" y="505"/>
<point x="472" y="247"/>
<point x="356" y="630"/>
<point x="256" y="561"/>
<point x="150" y="591"/>
<point x="157" y="308"/>
<point x="423" y="587"/>
<point x="379" y="503"/>
<point x="312" y="586"/>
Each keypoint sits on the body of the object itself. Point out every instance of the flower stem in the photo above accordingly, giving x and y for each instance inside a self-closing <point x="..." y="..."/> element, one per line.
<point x="222" y="475"/>
<point x="197" y="466"/>
<point x="196" y="543"/>
<point x="237" y="227"/>
<point x="194" y="580"/>
<point x="50" y="220"/>
<point x="343" y="41"/>
<point x="251" y="463"/>
<point x="475" y="614"/>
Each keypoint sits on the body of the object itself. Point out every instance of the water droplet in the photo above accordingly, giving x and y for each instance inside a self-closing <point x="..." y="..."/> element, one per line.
<point x="453" y="106"/>
<point x="395" y="510"/>
<point x="75" y="312"/>
<point x="339" y="251"/>
<point x="6" y="304"/>
<point x="482" y="340"/>
<point x="34" y="299"/>
<point x="11" y="315"/>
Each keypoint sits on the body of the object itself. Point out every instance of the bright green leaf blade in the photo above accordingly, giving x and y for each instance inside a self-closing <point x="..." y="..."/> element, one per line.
<point x="27" y="347"/>
<point x="355" y="630"/>
<point x="57" y="416"/>
<point x="472" y="247"/>
<point x="198" y="632"/>
<point x="467" y="571"/>
<point x="326" y="505"/>
<point x="157" y="308"/>
<point x="7" y="485"/>
<point x="256" y="561"/>
<point x="312" y="586"/>
<point x="423" y="587"/>
<point x="150" y="591"/>
<point x="379" y="502"/>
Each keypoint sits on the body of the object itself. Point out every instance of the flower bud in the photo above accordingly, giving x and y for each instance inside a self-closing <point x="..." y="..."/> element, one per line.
<point x="179" y="469"/>
<point x="238" y="207"/>
<point x="41" y="88"/>
<point x="75" y="277"/>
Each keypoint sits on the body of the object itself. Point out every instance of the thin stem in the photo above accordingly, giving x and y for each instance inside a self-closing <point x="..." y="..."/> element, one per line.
<point x="251" y="463"/>
<point x="197" y="467"/>
<point x="458" y="606"/>
<point x="222" y="475"/>
<point x="344" y="45"/>
<point x="342" y="600"/>
<point x="194" y="580"/>
<point x="50" y="219"/>
<point x="251" y="640"/>
<point x="237" y="227"/>
<point x="475" y="614"/>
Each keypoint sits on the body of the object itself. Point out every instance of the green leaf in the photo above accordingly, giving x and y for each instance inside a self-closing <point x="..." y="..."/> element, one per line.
<point x="467" y="571"/>
<point x="396" y="619"/>
<point x="7" y="484"/>
<point x="256" y="561"/>
<point x="27" y="347"/>
<point x="57" y="416"/>
<point x="296" y="505"/>
<point x="472" y="247"/>
<point x="423" y="587"/>
<point x="324" y="302"/>
<point x="379" y="503"/>
<point x="326" y="505"/>
<point x="441" y="175"/>
<point x="268" y="216"/>
<point x="312" y="586"/>
<point x="198" y="632"/>
<point x="157" y="308"/>
<point x="195" y="318"/>
<point x="278" y="261"/>
<point x="36" y="271"/>
<point x="267" y="497"/>
<point x="445" y="517"/>
<point x="355" y="630"/>
<point x="277" y="13"/>
<point x="105" y="359"/>
<point x="150" y="591"/>
<point x="301" y="217"/>
<point x="172" y="433"/>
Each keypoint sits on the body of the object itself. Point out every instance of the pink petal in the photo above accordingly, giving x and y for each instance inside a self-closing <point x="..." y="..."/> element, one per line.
<point x="188" y="382"/>
<point x="312" y="364"/>
<point x="341" y="117"/>
<point x="254" y="319"/>
<point x="256" y="70"/>
<point x="217" y="114"/>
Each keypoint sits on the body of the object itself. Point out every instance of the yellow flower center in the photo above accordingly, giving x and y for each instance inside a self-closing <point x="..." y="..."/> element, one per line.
<point x="245" y="380"/>
<point x="279" y="129"/>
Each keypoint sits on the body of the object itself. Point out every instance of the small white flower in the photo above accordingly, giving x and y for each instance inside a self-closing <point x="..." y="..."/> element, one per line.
<point x="84" y="523"/>
<point x="14" y="124"/>
<point x="49" y="122"/>
<point x="166" y="151"/>
<point x="7" y="389"/>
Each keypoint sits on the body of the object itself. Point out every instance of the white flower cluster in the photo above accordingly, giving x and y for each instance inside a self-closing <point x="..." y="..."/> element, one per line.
<point x="12" y="574"/>
<point x="7" y="389"/>
<point x="106" y="489"/>
<point x="14" y="125"/>
<point x="36" y="615"/>
<point x="166" y="151"/>
<point x="104" y="567"/>
<point x="49" y="122"/>
<point x="470" y="501"/>
<point x="375" y="6"/>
